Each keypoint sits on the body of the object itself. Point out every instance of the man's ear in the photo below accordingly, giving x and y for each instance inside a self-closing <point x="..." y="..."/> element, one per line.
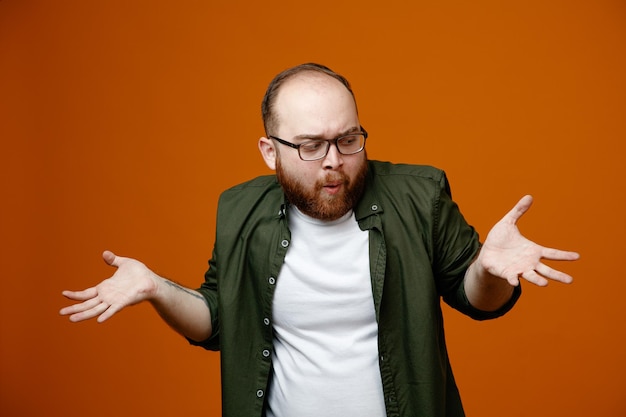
<point x="268" y="151"/>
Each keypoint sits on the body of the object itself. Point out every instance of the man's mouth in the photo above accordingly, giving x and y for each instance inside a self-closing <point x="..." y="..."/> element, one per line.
<point x="333" y="187"/>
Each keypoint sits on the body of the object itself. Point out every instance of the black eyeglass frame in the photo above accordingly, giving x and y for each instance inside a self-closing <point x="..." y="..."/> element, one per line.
<point x="328" y="141"/>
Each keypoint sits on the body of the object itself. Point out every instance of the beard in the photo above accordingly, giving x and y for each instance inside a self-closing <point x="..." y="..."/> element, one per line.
<point x="314" y="202"/>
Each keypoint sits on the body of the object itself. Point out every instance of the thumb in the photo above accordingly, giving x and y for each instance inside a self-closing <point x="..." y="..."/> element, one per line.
<point x="518" y="211"/>
<point x="110" y="258"/>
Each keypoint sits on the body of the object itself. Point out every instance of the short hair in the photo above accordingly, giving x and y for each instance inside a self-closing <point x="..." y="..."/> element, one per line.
<point x="267" y="106"/>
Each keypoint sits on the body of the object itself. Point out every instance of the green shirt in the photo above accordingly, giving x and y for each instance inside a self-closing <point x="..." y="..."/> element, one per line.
<point x="419" y="247"/>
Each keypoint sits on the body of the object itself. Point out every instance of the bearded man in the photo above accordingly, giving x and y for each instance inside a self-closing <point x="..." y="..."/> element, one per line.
<point x="323" y="290"/>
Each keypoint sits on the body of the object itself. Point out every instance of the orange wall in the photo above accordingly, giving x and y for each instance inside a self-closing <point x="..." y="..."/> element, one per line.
<point x="121" y="122"/>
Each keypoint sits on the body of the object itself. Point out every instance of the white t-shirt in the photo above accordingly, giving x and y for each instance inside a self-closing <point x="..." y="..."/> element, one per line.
<point x="326" y="336"/>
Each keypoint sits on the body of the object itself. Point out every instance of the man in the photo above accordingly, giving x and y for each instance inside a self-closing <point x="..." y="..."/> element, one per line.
<point x="323" y="290"/>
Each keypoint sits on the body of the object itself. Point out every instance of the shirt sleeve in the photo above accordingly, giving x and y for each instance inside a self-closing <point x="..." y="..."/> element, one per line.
<point x="209" y="291"/>
<point x="456" y="246"/>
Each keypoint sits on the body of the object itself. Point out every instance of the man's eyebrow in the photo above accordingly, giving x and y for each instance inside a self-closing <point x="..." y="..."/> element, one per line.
<point x="349" y="131"/>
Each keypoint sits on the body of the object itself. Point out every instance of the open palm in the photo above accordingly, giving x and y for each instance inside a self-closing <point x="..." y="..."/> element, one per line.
<point x="509" y="255"/>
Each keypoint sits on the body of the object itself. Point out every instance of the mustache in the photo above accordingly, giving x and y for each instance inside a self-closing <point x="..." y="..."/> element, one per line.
<point x="336" y="177"/>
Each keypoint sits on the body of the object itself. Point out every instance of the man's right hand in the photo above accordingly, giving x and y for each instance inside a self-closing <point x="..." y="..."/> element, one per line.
<point x="132" y="283"/>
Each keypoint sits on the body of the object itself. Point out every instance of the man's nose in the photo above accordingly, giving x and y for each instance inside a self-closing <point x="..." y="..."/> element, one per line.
<point x="333" y="158"/>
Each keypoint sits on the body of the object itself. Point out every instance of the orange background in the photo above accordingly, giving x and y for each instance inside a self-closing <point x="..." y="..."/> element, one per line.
<point x="122" y="121"/>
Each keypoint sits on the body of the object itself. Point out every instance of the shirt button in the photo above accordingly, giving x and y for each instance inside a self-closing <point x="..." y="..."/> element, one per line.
<point x="374" y="207"/>
<point x="259" y="393"/>
<point x="272" y="280"/>
<point x="266" y="353"/>
<point x="284" y="243"/>
<point x="266" y="321"/>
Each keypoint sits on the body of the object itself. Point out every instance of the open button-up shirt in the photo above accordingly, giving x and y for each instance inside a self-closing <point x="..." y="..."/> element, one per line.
<point x="419" y="248"/>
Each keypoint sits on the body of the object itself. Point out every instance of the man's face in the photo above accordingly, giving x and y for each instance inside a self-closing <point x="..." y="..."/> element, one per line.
<point x="314" y="106"/>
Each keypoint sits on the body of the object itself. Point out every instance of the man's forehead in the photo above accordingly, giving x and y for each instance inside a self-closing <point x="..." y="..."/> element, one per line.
<point x="313" y="103"/>
<point x="311" y="81"/>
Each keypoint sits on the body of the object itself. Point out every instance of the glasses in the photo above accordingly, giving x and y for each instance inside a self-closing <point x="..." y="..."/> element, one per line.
<point x="312" y="150"/>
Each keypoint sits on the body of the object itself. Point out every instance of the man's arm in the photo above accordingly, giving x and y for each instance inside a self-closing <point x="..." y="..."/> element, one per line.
<point x="185" y="310"/>
<point x="507" y="256"/>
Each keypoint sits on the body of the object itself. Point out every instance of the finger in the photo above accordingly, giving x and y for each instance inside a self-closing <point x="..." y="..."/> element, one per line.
<point x="534" y="277"/>
<point x="77" y="308"/>
<point x="514" y="280"/>
<point x="110" y="311"/>
<point x="559" y="255"/>
<point x="81" y="295"/>
<point x="518" y="211"/>
<point x="89" y="314"/>
<point x="553" y="274"/>
<point x="110" y="258"/>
